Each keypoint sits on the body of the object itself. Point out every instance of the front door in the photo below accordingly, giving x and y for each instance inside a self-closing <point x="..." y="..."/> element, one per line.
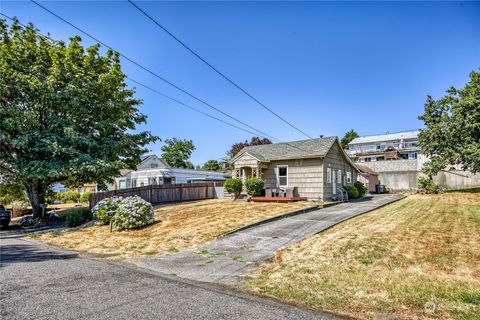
<point x="334" y="182"/>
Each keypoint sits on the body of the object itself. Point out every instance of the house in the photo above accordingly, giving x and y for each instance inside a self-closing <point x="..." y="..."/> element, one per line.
<point x="397" y="159"/>
<point x="368" y="177"/>
<point x="390" y="146"/>
<point x="155" y="171"/>
<point x="315" y="168"/>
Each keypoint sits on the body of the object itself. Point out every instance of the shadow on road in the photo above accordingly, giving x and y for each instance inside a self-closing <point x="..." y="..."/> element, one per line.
<point x="25" y="252"/>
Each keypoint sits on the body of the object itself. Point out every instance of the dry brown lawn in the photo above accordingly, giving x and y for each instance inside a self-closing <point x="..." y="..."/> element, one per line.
<point x="176" y="227"/>
<point x="418" y="258"/>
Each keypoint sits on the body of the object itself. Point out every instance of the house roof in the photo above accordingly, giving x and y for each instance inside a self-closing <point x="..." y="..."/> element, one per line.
<point x="365" y="169"/>
<point x="311" y="148"/>
<point x="386" y="137"/>
<point x="148" y="156"/>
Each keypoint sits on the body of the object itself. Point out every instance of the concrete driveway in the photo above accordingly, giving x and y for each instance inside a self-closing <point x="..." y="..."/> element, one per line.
<point x="39" y="282"/>
<point x="227" y="260"/>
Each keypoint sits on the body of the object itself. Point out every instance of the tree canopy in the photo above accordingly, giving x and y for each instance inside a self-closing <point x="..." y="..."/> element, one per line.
<point x="235" y="148"/>
<point x="347" y="138"/>
<point x="212" y="165"/>
<point x="66" y="113"/>
<point x="452" y="133"/>
<point x="177" y="153"/>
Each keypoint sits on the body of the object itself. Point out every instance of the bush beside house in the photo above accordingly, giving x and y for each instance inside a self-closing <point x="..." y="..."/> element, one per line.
<point x="352" y="192"/>
<point x="360" y="188"/>
<point x="254" y="186"/>
<point x="233" y="186"/>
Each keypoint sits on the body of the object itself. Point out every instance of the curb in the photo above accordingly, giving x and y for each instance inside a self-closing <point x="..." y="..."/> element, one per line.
<point x="281" y="216"/>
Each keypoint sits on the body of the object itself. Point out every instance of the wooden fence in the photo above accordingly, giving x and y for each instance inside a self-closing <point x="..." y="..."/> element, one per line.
<point x="156" y="194"/>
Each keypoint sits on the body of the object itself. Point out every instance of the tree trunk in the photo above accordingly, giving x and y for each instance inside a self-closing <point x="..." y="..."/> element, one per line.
<point x="36" y="195"/>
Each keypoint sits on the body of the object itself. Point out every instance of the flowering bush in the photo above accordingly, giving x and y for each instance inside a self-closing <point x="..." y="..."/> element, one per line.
<point x="104" y="207"/>
<point x="133" y="212"/>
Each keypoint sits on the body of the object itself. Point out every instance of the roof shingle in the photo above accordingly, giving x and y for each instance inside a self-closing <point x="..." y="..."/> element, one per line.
<point x="311" y="148"/>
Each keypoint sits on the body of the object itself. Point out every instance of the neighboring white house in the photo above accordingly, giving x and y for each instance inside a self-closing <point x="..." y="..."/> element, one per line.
<point x="397" y="159"/>
<point x="155" y="171"/>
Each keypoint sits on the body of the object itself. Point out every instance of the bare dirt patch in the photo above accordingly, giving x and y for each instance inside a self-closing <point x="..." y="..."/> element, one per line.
<point x="418" y="258"/>
<point x="176" y="227"/>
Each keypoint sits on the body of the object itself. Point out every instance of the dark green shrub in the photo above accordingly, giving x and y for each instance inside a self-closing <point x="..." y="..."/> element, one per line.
<point x="77" y="216"/>
<point x="233" y="186"/>
<point x="254" y="186"/>
<point x="360" y="188"/>
<point x="70" y="196"/>
<point x="427" y="185"/>
<point x="352" y="192"/>
<point x="84" y="196"/>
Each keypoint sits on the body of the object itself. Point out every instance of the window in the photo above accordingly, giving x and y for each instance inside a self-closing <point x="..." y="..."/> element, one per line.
<point x="152" y="181"/>
<point x="153" y="165"/>
<point x="339" y="176"/>
<point x="282" y="176"/>
<point x="349" y="177"/>
<point x="134" y="182"/>
<point x="121" y="184"/>
<point x="329" y="175"/>
<point x="412" y="155"/>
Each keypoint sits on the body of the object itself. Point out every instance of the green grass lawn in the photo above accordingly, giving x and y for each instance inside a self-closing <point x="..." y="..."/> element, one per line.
<point x="418" y="258"/>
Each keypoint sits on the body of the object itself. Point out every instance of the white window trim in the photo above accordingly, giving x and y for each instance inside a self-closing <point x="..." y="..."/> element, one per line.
<point x="329" y="175"/>
<point x="278" y="175"/>
<point x="349" y="177"/>
<point x="339" y="176"/>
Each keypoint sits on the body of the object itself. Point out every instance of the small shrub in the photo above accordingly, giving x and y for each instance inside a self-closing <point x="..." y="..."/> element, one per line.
<point x="77" y="216"/>
<point x="132" y="213"/>
<point x="352" y="192"/>
<point x="52" y="196"/>
<point x="70" y="196"/>
<point x="427" y="185"/>
<point x="102" y="209"/>
<point x="254" y="186"/>
<point x="360" y="188"/>
<point x="233" y="186"/>
<point x="84" y="196"/>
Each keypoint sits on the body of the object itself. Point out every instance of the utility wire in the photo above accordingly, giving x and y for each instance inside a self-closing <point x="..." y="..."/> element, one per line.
<point x="216" y="70"/>
<point x="170" y="98"/>
<point x="156" y="91"/>
<point x="188" y="106"/>
<point x="155" y="74"/>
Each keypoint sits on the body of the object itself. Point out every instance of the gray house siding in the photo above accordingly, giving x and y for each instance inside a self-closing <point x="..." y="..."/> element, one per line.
<point x="303" y="174"/>
<point x="336" y="161"/>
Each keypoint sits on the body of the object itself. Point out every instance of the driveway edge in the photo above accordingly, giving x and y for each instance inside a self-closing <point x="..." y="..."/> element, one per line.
<point x="281" y="216"/>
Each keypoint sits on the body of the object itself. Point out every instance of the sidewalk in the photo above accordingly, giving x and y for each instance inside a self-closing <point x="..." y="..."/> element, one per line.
<point x="226" y="260"/>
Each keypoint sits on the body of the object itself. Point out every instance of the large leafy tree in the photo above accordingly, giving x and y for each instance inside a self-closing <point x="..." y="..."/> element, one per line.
<point x="66" y="113"/>
<point x="177" y="152"/>
<point x="347" y="138"/>
<point x="212" y="165"/>
<point x="255" y="141"/>
<point x="452" y="133"/>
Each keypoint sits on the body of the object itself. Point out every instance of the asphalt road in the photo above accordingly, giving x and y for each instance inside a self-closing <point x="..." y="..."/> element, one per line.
<point x="39" y="282"/>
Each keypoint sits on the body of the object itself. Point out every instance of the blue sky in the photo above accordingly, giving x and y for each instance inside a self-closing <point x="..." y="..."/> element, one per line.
<point x="327" y="67"/>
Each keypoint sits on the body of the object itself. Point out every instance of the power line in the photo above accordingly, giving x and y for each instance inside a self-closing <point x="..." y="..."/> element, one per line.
<point x="173" y="99"/>
<point x="156" y="91"/>
<point x="155" y="74"/>
<point x="188" y="106"/>
<point x="216" y="70"/>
